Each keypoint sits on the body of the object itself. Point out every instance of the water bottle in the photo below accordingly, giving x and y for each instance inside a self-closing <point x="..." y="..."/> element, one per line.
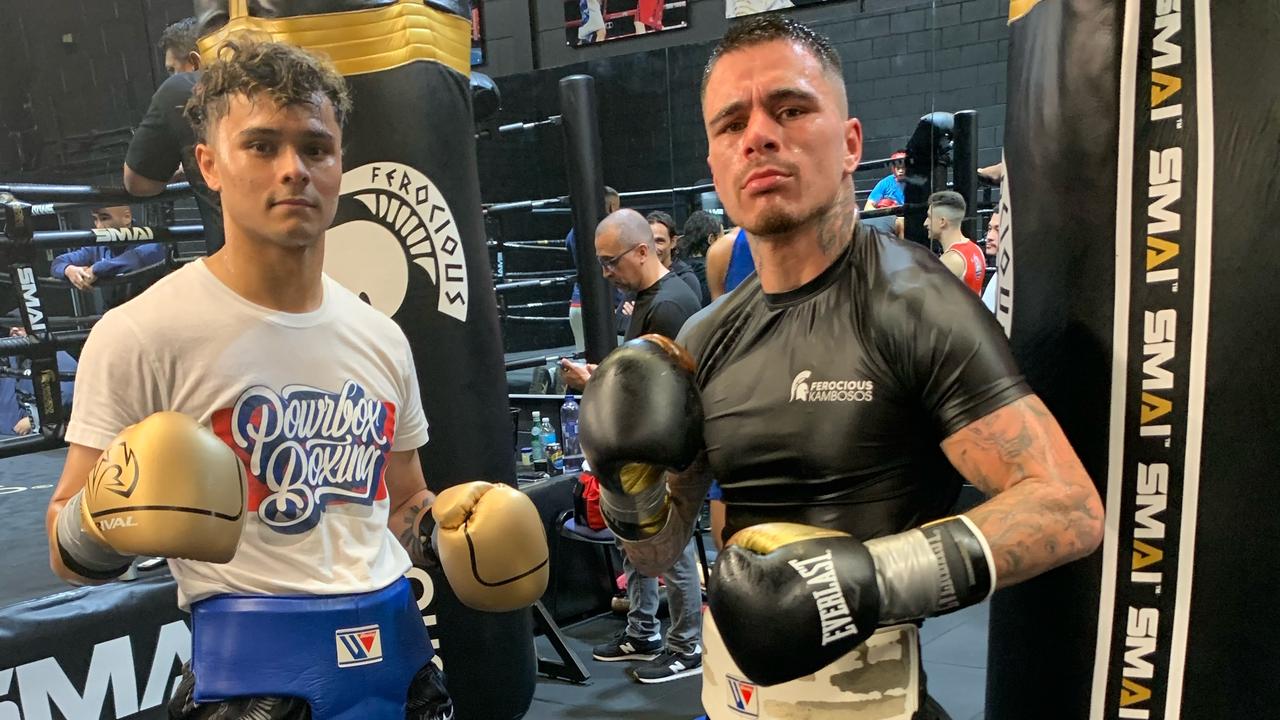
<point x="548" y="435"/>
<point x="569" y="425"/>
<point x="536" y="440"/>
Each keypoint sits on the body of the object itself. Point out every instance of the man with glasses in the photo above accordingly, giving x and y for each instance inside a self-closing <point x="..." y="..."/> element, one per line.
<point x="628" y="256"/>
<point x="629" y="259"/>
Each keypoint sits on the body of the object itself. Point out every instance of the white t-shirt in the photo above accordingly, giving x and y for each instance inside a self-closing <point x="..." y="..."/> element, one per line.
<point x="312" y="403"/>
<point x="989" y="294"/>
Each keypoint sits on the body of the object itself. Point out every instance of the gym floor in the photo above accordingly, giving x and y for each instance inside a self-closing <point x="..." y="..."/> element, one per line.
<point x="955" y="659"/>
<point x="955" y="646"/>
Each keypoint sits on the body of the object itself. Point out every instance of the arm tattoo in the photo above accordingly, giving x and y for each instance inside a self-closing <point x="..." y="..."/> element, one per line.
<point x="1045" y="511"/>
<point x="688" y="489"/>
<point x="407" y="523"/>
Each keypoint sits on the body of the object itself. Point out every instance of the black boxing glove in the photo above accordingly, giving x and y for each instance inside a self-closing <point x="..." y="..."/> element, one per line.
<point x="790" y="599"/>
<point x="641" y="416"/>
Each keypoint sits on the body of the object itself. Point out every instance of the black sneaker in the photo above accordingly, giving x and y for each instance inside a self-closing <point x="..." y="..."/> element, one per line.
<point x="625" y="647"/>
<point x="668" y="666"/>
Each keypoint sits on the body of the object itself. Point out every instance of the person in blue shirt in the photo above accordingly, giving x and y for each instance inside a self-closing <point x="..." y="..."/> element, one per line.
<point x="729" y="262"/>
<point x="17" y="396"/>
<point x="890" y="186"/>
<point x="87" y="265"/>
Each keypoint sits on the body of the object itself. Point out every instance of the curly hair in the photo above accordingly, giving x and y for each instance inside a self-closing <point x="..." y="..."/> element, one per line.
<point x="699" y="230"/>
<point x="288" y="75"/>
<point x="180" y="38"/>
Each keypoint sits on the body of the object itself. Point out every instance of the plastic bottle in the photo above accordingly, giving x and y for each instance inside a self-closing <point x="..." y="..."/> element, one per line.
<point x="536" y="440"/>
<point x="548" y="435"/>
<point x="569" y="426"/>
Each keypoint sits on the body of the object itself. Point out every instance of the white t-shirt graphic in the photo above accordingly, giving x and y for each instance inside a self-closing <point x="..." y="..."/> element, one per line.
<point x="312" y="403"/>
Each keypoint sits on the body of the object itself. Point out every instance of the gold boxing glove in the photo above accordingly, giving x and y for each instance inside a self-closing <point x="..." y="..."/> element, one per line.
<point x="492" y="546"/>
<point x="164" y="487"/>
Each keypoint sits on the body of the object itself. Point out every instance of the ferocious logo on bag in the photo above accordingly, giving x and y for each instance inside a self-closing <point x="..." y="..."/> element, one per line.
<point x="306" y="448"/>
<point x="359" y="646"/>
<point x="391" y="218"/>
<point x="742" y="697"/>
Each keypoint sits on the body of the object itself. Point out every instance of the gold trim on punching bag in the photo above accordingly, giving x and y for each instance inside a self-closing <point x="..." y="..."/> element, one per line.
<point x="1018" y="8"/>
<point x="360" y="41"/>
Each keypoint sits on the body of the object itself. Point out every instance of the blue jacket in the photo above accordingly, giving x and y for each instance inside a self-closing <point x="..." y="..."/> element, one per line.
<point x="11" y="410"/>
<point x="105" y="262"/>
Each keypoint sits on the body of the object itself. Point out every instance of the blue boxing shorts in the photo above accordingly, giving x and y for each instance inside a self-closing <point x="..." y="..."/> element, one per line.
<point x="338" y="657"/>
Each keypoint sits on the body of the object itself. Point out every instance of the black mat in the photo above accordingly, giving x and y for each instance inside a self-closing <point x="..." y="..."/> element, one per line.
<point x="26" y="484"/>
<point x="610" y="693"/>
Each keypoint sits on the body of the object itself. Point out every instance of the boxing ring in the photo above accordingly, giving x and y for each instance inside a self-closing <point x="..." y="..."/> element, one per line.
<point x="116" y="650"/>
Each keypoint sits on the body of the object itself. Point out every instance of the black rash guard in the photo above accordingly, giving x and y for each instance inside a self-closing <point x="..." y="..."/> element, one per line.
<point x="164" y="141"/>
<point x="827" y="404"/>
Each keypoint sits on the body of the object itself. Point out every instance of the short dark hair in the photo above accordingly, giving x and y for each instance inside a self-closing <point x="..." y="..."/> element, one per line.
<point x="768" y="28"/>
<point x="180" y="38"/>
<point x="288" y="75"/>
<point x="698" y="231"/>
<point x="950" y="200"/>
<point x="664" y="219"/>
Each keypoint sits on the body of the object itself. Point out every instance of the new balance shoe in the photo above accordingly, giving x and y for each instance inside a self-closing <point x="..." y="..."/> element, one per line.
<point x="668" y="666"/>
<point x="625" y="647"/>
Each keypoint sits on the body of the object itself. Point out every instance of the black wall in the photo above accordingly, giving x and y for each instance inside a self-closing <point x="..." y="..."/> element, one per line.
<point x="67" y="108"/>
<point x="73" y="101"/>
<point x="902" y="58"/>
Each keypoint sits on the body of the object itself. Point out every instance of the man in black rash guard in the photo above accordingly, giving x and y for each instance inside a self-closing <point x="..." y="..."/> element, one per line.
<point x="164" y="140"/>
<point x="852" y="384"/>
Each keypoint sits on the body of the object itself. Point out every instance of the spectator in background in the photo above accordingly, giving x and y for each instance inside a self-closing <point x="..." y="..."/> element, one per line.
<point x="991" y="246"/>
<point x="84" y="267"/>
<point x="729" y="262"/>
<point x="17" y="395"/>
<point x="888" y="192"/>
<point x="163" y="147"/>
<point x="626" y="252"/>
<point x="962" y="256"/>
<point x="612" y="202"/>
<point x="700" y="230"/>
<point x="992" y="250"/>
<point x="178" y="43"/>
<point x="664" y="241"/>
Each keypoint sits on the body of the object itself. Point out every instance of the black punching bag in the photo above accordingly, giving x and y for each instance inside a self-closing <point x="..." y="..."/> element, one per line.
<point x="1137" y="283"/>
<point x="409" y="237"/>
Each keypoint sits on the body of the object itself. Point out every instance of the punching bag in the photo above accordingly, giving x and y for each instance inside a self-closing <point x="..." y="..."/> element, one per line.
<point x="409" y="238"/>
<point x="1137" y="284"/>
